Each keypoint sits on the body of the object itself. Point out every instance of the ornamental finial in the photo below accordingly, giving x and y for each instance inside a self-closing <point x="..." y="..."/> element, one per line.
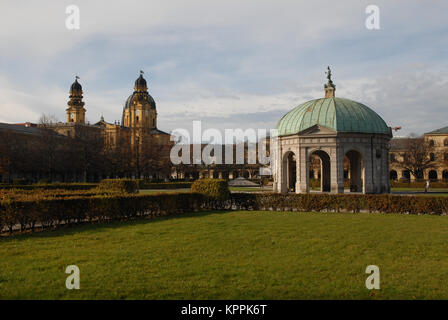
<point x="329" y="74"/>
<point x="330" y="87"/>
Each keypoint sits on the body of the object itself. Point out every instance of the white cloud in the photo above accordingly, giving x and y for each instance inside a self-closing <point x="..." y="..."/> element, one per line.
<point x="229" y="62"/>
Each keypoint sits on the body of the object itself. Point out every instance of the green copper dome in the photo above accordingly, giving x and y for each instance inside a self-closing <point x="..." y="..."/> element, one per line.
<point x="338" y="114"/>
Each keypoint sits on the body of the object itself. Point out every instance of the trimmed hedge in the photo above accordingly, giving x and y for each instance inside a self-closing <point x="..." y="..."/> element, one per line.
<point x="142" y="184"/>
<point x="315" y="183"/>
<point x="46" y="213"/>
<point x="214" y="188"/>
<point x="118" y="185"/>
<point x="52" y="186"/>
<point x="41" y="194"/>
<point x="342" y="203"/>
<point x="418" y="184"/>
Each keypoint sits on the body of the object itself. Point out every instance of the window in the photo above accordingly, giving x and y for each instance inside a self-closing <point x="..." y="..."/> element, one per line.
<point x="445" y="156"/>
<point x="393" y="175"/>
<point x="136" y="119"/>
<point x="406" y="174"/>
<point x="445" y="142"/>
<point x="432" y="157"/>
<point x="392" y="157"/>
<point x="431" y="143"/>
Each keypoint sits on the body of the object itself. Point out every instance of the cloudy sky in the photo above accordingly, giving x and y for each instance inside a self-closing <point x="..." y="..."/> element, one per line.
<point x="231" y="64"/>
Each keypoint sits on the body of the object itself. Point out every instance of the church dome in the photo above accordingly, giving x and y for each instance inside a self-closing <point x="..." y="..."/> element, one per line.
<point x="338" y="114"/>
<point x="140" y="82"/>
<point x="76" y="86"/>
<point x="139" y="97"/>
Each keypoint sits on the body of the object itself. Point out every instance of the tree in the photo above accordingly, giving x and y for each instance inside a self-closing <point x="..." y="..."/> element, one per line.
<point x="416" y="156"/>
<point x="49" y="143"/>
<point x="89" y="146"/>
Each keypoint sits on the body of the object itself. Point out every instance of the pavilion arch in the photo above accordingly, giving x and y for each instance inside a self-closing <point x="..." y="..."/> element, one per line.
<point x="289" y="172"/>
<point x="432" y="175"/>
<point x="393" y="175"/>
<point x="325" y="169"/>
<point x="406" y="174"/>
<point x="356" y="171"/>
<point x="445" y="175"/>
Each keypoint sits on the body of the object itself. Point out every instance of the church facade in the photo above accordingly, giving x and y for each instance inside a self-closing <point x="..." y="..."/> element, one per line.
<point x="76" y="150"/>
<point x="138" y="124"/>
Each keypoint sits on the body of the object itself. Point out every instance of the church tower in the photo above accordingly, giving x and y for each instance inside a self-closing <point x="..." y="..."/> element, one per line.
<point x="139" y="111"/>
<point x="75" y="111"/>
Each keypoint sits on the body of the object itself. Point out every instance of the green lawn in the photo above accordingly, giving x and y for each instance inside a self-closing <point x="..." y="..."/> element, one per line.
<point x="233" y="255"/>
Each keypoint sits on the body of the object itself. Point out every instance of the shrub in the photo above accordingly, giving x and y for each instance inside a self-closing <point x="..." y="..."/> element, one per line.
<point x="52" y="186"/>
<point x="213" y="188"/>
<point x="19" y="182"/>
<point x="418" y="184"/>
<point x="118" y="185"/>
<point x="65" y="211"/>
<point x="145" y="184"/>
<point x="48" y="211"/>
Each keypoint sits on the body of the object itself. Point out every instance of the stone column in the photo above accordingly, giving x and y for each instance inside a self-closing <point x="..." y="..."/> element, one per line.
<point x="369" y="170"/>
<point x="303" y="169"/>
<point x="337" y="169"/>
<point x="298" y="177"/>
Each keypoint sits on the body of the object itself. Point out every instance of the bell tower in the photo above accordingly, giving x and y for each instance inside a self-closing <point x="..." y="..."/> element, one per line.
<point x="75" y="111"/>
<point x="140" y="108"/>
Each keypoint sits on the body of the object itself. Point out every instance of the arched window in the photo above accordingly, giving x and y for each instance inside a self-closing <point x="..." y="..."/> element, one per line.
<point x="393" y="175"/>
<point x="405" y="174"/>
<point x="432" y="156"/>
<point x="432" y="175"/>
<point x="445" y="175"/>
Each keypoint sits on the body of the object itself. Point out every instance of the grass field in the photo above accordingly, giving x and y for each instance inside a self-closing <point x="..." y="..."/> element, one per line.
<point x="233" y="255"/>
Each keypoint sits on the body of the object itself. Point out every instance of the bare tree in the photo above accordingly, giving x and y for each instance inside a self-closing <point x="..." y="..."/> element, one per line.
<point x="416" y="156"/>
<point x="89" y="145"/>
<point x="49" y="143"/>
